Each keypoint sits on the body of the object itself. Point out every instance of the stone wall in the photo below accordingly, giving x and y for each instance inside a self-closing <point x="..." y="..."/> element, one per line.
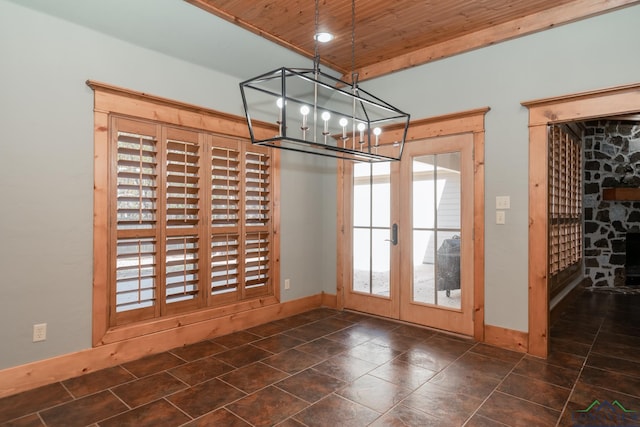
<point x="611" y="159"/>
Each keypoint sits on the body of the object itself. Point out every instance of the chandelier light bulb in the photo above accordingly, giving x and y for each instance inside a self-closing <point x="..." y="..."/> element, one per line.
<point x="361" y="128"/>
<point x="304" y="110"/>
<point x="280" y="104"/>
<point x="325" y="117"/>
<point x="377" y="132"/>
<point x="343" y="123"/>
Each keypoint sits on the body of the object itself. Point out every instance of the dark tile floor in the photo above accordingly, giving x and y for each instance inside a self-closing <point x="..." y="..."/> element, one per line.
<point x="329" y="368"/>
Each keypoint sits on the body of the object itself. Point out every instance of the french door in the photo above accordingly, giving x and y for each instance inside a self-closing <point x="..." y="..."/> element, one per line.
<point x="411" y="235"/>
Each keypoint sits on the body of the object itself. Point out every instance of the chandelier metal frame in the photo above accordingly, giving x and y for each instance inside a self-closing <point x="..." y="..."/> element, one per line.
<point x="320" y="114"/>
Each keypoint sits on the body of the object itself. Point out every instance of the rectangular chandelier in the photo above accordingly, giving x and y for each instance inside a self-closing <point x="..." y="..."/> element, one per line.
<point x="319" y="114"/>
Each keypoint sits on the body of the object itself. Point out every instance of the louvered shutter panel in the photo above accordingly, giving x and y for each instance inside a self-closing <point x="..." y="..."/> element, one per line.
<point x="136" y="274"/>
<point x="224" y="264"/>
<point x="137" y="181"/>
<point x="225" y="219"/>
<point x="135" y="253"/>
<point x="182" y="183"/>
<point x="182" y="268"/>
<point x="257" y="189"/>
<point x="182" y="250"/>
<point x="225" y="184"/>
<point x="256" y="260"/>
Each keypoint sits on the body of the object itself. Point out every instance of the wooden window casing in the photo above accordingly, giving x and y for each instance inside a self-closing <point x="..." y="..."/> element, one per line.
<point x="186" y="215"/>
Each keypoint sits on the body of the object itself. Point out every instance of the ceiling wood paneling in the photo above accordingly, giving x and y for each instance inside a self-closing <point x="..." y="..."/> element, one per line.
<point x="395" y="35"/>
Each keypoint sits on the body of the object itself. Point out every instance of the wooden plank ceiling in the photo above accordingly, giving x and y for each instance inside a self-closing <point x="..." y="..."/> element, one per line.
<point x="398" y="34"/>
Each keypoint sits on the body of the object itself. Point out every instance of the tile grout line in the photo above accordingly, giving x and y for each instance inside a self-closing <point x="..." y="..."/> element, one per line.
<point x="584" y="363"/>
<point x="495" y="389"/>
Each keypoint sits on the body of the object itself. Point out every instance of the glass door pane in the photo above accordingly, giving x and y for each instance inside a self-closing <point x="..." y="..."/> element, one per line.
<point x="436" y="201"/>
<point x="371" y="228"/>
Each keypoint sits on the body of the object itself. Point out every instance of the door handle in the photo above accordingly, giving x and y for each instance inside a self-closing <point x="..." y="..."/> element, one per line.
<point x="394" y="235"/>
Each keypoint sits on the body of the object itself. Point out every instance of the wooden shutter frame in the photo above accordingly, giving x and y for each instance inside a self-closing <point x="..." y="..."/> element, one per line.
<point x="109" y="100"/>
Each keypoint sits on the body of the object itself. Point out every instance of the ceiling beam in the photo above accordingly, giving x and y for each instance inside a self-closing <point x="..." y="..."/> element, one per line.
<point x="564" y="14"/>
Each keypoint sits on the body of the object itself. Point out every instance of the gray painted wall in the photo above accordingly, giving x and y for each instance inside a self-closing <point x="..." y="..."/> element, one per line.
<point x="46" y="172"/>
<point x="46" y="164"/>
<point x="587" y="55"/>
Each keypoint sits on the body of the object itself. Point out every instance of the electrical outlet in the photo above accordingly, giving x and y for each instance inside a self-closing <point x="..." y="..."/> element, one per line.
<point x="287" y="284"/>
<point x="39" y="332"/>
<point x="500" y="217"/>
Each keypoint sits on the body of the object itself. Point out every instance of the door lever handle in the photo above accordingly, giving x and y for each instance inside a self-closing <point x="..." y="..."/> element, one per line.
<point x="394" y="235"/>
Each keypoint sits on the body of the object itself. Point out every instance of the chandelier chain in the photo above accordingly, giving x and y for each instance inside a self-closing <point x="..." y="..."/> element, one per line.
<point x="316" y="50"/>
<point x="354" y="76"/>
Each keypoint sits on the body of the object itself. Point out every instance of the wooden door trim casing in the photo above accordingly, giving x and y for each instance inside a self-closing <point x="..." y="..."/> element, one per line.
<point x="470" y="121"/>
<point x="543" y="112"/>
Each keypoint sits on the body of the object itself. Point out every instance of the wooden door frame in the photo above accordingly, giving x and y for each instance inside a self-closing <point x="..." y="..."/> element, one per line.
<point x="471" y="121"/>
<point x="543" y="112"/>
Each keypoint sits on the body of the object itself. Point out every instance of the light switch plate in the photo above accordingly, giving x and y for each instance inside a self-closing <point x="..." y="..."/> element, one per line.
<point x="503" y="202"/>
<point x="501" y="217"/>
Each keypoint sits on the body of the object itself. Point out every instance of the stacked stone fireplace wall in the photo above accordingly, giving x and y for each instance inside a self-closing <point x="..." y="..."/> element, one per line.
<point x="611" y="159"/>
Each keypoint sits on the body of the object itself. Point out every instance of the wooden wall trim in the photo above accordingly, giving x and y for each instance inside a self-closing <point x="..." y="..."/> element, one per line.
<point x="329" y="300"/>
<point x="478" y="235"/>
<point x="506" y="338"/>
<point x="109" y="98"/>
<point x="449" y="124"/>
<point x="538" y="242"/>
<point x="542" y="112"/>
<point x="31" y="375"/>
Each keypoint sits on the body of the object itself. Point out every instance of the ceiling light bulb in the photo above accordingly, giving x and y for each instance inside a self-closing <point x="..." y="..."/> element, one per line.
<point x="377" y="131"/>
<point x="323" y="37"/>
<point x="326" y="116"/>
<point x="361" y="126"/>
<point x="304" y="110"/>
<point x="343" y="122"/>
<point x="279" y="103"/>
